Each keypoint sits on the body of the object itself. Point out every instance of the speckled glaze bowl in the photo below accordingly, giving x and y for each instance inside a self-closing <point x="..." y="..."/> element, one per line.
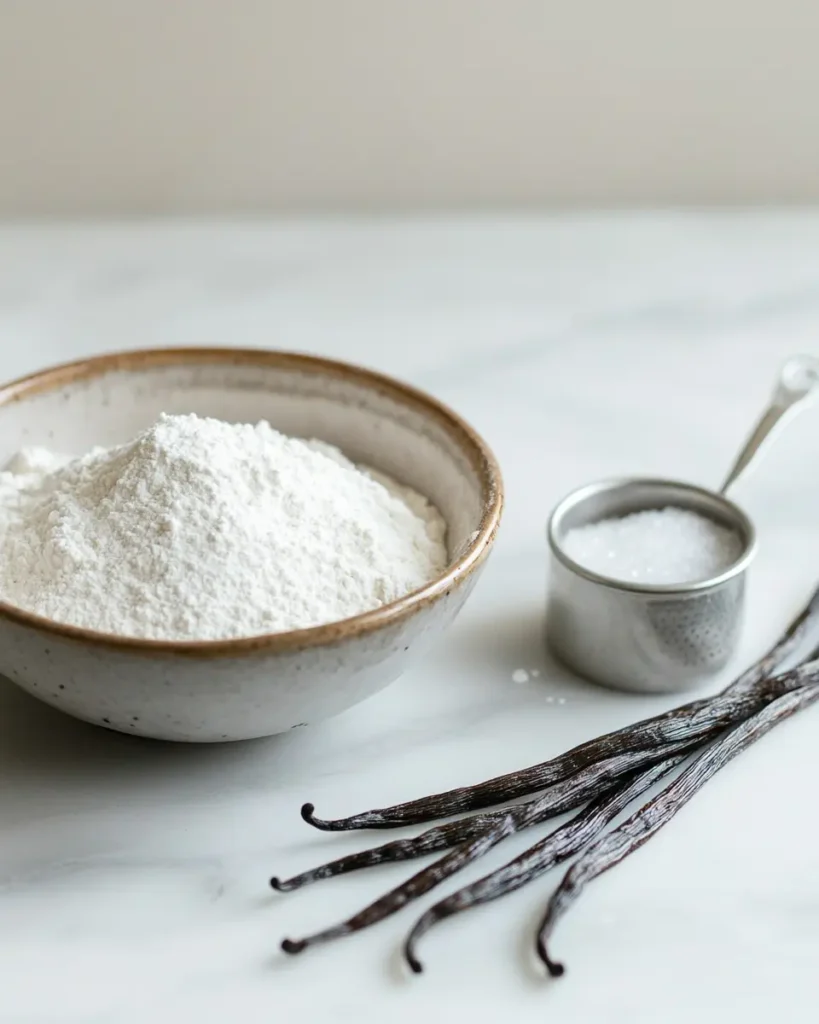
<point x="239" y="689"/>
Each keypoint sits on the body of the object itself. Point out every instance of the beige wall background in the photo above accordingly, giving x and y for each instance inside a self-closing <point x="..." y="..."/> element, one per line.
<point x="109" y="106"/>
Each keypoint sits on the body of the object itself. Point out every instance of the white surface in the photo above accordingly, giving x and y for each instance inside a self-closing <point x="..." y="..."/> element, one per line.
<point x="133" y="876"/>
<point x="202" y="105"/>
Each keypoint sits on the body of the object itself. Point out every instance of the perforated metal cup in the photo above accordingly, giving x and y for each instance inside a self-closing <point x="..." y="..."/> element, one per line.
<point x="659" y="638"/>
<point x="647" y="637"/>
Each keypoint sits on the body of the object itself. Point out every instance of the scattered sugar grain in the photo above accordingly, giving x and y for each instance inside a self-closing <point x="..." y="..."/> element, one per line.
<point x="659" y="546"/>
<point x="520" y="675"/>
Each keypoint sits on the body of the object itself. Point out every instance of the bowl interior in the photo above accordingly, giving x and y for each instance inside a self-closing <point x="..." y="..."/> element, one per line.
<point x="377" y="422"/>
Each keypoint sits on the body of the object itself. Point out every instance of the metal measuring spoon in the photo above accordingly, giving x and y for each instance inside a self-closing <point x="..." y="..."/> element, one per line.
<point x="659" y="638"/>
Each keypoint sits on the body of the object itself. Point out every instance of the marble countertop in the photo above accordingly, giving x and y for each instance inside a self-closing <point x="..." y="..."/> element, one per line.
<point x="133" y="875"/>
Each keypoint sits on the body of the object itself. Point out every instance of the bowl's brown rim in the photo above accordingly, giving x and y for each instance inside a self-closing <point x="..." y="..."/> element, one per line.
<point x="479" y="452"/>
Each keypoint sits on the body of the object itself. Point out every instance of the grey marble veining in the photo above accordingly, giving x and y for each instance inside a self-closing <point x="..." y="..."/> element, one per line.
<point x="133" y="876"/>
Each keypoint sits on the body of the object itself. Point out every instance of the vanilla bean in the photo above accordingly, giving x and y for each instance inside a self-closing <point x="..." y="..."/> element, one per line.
<point x="792" y="640"/>
<point x="568" y="794"/>
<point x="565" y="841"/>
<point x="699" y="718"/>
<point x="616" y="845"/>
<point x="617" y="766"/>
<point x="530" y="813"/>
<point x="441" y="837"/>
<point x="416" y="886"/>
<point x="691" y="723"/>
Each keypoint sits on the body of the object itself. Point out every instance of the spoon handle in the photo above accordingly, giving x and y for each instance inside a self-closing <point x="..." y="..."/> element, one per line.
<point x="798" y="379"/>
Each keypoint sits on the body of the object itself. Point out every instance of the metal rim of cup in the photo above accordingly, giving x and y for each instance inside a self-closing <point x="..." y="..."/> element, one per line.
<point x="742" y="523"/>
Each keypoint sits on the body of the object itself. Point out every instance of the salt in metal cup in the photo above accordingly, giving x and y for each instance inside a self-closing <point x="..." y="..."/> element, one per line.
<point x="659" y="638"/>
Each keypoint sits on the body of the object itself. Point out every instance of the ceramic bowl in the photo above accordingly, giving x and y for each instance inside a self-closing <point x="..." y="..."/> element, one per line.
<point x="238" y="689"/>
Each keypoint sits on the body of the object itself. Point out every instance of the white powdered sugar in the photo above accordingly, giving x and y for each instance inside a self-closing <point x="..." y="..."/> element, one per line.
<point x="200" y="530"/>
<point x="662" y="546"/>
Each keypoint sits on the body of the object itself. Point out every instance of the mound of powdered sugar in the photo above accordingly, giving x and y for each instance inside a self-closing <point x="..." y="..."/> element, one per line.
<point x="199" y="530"/>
